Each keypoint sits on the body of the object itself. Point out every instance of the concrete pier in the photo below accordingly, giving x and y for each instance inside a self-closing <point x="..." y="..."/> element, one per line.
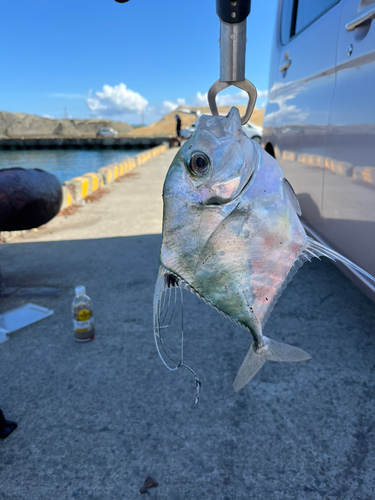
<point x="96" y="419"/>
<point x="82" y="143"/>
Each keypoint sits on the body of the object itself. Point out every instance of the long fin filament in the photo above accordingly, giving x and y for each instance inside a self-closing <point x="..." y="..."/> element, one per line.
<point x="163" y="318"/>
<point x="321" y="250"/>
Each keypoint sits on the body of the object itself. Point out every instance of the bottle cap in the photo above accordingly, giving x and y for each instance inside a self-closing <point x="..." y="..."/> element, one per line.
<point x="80" y="290"/>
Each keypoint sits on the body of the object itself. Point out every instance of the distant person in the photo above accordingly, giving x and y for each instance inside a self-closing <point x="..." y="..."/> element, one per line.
<point x="178" y="126"/>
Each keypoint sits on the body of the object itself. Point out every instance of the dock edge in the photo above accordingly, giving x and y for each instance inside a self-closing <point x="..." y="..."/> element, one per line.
<point x="78" y="188"/>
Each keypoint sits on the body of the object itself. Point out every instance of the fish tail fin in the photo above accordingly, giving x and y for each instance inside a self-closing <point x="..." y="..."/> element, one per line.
<point x="252" y="363"/>
<point x="270" y="351"/>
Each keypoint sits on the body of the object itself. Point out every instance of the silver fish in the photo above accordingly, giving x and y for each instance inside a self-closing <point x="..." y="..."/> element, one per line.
<point x="232" y="235"/>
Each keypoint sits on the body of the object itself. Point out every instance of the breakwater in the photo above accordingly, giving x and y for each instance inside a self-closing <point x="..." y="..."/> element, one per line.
<point x="82" y="143"/>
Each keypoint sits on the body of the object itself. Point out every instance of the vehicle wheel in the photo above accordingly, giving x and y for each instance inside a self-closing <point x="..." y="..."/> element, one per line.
<point x="256" y="138"/>
<point x="270" y="150"/>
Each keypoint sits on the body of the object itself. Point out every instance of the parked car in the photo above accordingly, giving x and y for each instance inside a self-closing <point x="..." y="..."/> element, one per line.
<point x="188" y="131"/>
<point x="107" y="132"/>
<point x="320" y="120"/>
<point x="251" y="130"/>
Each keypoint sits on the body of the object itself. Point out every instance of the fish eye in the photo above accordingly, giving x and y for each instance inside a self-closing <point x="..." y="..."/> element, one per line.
<point x="199" y="163"/>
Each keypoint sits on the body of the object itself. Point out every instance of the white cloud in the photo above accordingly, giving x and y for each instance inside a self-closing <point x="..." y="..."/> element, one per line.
<point x="262" y="93"/>
<point x="48" y="116"/>
<point x="280" y="100"/>
<point x="201" y="99"/>
<point x="169" y="106"/>
<point x="239" y="97"/>
<point x="116" y="100"/>
<point x="228" y="99"/>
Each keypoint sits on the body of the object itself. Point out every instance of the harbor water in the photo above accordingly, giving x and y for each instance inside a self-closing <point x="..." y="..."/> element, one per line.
<point x="64" y="163"/>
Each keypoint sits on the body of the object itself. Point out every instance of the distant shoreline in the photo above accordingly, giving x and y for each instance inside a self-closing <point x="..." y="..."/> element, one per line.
<point x="22" y="125"/>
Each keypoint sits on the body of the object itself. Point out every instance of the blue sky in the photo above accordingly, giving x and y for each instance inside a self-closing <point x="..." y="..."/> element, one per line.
<point x="91" y="58"/>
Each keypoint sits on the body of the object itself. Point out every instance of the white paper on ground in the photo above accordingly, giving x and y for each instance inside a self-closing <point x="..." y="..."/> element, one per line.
<point x="15" y="319"/>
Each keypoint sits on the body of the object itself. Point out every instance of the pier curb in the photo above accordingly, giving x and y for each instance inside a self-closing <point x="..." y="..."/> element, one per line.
<point x="79" y="188"/>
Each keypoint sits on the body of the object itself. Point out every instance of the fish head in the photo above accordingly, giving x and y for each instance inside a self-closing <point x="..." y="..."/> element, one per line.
<point x="215" y="164"/>
<point x="204" y="182"/>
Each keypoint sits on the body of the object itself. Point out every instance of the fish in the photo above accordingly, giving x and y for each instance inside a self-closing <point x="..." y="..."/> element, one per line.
<point x="232" y="235"/>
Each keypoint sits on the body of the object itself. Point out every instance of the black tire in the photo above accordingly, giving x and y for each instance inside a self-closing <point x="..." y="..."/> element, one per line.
<point x="257" y="139"/>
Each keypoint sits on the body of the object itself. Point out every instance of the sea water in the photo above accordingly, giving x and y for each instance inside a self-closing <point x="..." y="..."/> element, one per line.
<point x="64" y="163"/>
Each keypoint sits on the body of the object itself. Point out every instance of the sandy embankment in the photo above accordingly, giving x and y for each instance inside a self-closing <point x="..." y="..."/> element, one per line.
<point x="23" y="125"/>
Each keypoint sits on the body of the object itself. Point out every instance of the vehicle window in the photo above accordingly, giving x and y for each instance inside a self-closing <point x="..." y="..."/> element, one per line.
<point x="286" y="20"/>
<point x="298" y="14"/>
<point x="309" y="10"/>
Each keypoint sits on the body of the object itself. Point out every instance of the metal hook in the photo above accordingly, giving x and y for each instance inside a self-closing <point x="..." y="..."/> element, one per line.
<point x="245" y="85"/>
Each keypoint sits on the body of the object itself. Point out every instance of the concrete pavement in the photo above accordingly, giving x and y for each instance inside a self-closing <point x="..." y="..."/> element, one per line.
<point x="96" y="419"/>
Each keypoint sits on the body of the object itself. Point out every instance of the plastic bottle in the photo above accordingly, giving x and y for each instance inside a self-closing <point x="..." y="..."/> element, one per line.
<point x="83" y="318"/>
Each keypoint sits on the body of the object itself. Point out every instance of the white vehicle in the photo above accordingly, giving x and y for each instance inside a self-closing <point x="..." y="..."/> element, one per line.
<point x="251" y="130"/>
<point x="319" y="122"/>
<point x="107" y="132"/>
<point x="188" y="131"/>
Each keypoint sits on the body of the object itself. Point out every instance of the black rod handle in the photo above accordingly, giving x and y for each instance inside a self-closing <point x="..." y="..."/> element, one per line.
<point x="233" y="11"/>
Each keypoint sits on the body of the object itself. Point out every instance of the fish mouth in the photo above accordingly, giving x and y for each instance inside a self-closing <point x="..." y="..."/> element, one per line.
<point x="165" y="304"/>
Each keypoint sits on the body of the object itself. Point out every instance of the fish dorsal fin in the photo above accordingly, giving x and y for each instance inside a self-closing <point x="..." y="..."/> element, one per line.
<point x="291" y="195"/>
<point x="233" y="126"/>
<point x="315" y="249"/>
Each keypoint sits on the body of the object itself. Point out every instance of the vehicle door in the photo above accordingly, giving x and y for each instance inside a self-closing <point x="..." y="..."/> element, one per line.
<point x="349" y="173"/>
<point x="303" y="93"/>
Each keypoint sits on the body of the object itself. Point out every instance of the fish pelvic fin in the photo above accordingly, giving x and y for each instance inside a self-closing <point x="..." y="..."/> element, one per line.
<point x="270" y="351"/>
